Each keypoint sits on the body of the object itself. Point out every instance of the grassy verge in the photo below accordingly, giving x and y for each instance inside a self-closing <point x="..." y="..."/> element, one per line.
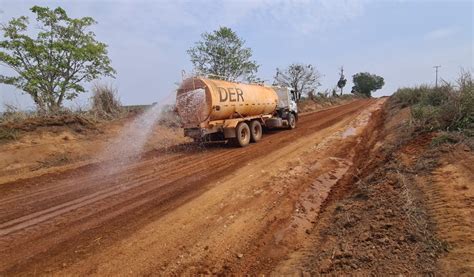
<point x="447" y="109"/>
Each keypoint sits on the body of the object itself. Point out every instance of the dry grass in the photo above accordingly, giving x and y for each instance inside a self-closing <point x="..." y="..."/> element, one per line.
<point x="7" y="134"/>
<point x="105" y="101"/>
<point x="449" y="107"/>
<point x="105" y="106"/>
<point x="14" y="124"/>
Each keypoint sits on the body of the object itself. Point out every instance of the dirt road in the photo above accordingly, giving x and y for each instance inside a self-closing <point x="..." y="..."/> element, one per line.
<point x="185" y="209"/>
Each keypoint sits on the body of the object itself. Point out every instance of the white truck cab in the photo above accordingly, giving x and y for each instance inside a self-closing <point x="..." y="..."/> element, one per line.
<point x="287" y="109"/>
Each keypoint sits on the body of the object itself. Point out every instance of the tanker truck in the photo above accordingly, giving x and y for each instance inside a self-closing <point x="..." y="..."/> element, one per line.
<point x="217" y="110"/>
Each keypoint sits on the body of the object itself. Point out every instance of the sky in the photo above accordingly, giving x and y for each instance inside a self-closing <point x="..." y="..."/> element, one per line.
<point x="399" y="40"/>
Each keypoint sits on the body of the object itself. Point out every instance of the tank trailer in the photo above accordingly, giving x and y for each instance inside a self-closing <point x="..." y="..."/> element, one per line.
<point x="217" y="110"/>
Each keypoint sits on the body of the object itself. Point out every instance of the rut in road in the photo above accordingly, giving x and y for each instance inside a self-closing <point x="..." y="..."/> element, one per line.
<point x="54" y="212"/>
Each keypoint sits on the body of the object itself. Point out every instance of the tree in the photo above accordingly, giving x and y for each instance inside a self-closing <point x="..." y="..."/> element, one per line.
<point x="304" y="79"/>
<point x="365" y="83"/>
<point x="342" y="80"/>
<point x="222" y="55"/>
<point x="52" y="67"/>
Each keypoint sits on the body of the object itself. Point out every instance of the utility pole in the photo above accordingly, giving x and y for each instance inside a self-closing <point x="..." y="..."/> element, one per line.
<point x="436" y="67"/>
<point x="342" y="76"/>
<point x="342" y="80"/>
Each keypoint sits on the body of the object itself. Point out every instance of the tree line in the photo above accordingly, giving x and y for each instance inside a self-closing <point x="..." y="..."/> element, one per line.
<point x="53" y="66"/>
<point x="222" y="54"/>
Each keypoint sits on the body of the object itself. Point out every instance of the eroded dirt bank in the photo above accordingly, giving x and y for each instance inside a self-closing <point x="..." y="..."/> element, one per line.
<point x="407" y="208"/>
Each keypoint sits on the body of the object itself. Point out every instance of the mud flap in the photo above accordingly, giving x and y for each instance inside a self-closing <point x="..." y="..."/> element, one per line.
<point x="229" y="128"/>
<point x="229" y="133"/>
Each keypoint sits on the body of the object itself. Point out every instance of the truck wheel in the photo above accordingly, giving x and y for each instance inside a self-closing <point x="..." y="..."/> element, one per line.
<point x="242" y="133"/>
<point x="291" y="121"/>
<point x="255" y="131"/>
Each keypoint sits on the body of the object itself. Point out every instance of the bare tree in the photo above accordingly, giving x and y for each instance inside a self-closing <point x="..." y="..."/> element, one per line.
<point x="304" y="79"/>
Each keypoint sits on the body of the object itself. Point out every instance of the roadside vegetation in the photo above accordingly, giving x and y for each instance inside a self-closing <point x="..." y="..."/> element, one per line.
<point x="16" y="122"/>
<point x="447" y="109"/>
<point x="105" y="102"/>
<point x="396" y="201"/>
<point x="105" y="106"/>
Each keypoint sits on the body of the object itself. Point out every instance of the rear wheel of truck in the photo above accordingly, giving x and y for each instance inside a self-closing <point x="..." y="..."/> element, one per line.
<point x="242" y="132"/>
<point x="255" y="131"/>
<point x="291" y="121"/>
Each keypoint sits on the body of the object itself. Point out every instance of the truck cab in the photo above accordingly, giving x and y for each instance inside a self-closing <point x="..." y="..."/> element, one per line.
<point x="286" y="111"/>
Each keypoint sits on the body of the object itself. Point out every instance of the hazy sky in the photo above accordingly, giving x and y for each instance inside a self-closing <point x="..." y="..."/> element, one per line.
<point x="399" y="40"/>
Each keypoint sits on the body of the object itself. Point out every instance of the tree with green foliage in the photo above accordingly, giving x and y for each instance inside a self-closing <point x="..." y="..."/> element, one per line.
<point x="222" y="55"/>
<point x="304" y="79"/>
<point x="52" y="67"/>
<point x="366" y="83"/>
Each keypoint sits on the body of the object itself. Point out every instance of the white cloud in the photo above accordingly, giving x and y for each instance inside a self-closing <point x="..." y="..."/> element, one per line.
<point x="440" y="33"/>
<point x="302" y="16"/>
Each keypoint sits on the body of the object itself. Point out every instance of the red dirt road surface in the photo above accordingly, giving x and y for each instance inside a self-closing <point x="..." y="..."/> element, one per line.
<point x="187" y="209"/>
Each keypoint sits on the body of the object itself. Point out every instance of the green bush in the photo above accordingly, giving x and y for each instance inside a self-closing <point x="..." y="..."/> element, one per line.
<point x="447" y="107"/>
<point x="426" y="116"/>
<point x="423" y="94"/>
<point x="466" y="109"/>
<point x="409" y="96"/>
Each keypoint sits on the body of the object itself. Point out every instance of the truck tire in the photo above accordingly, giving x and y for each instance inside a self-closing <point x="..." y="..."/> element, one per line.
<point x="291" y="121"/>
<point x="255" y="131"/>
<point x="242" y="132"/>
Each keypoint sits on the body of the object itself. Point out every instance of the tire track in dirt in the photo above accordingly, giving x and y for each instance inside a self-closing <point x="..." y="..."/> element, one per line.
<point x="78" y="210"/>
<point x="450" y="197"/>
<point x="74" y="194"/>
<point x="64" y="184"/>
<point x="87" y="183"/>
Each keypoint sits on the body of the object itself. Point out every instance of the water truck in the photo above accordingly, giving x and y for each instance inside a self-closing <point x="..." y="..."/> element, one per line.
<point x="217" y="110"/>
